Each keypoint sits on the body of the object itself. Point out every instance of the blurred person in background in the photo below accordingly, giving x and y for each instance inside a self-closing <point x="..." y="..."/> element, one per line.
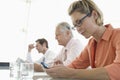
<point x="71" y="46"/>
<point x="42" y="47"/>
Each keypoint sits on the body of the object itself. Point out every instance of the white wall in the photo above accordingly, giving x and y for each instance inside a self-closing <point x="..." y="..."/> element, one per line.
<point x="22" y="23"/>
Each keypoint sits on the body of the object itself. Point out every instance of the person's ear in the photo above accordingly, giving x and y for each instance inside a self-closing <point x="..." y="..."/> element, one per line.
<point x="44" y="44"/>
<point x="94" y="14"/>
<point x="68" y="32"/>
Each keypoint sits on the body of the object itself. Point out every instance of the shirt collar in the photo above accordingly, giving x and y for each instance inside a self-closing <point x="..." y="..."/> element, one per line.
<point x="69" y="43"/>
<point x="108" y="32"/>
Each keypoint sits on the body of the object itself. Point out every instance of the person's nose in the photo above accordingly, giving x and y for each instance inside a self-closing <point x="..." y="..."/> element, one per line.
<point x="79" y="29"/>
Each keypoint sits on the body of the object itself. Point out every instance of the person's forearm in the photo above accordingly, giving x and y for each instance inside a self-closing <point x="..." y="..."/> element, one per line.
<point x="28" y="57"/>
<point x="93" y="74"/>
<point x="38" y="68"/>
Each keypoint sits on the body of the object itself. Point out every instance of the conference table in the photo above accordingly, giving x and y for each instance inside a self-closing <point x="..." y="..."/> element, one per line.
<point x="5" y="75"/>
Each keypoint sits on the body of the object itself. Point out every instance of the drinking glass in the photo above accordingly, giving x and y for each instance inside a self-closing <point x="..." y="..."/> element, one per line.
<point x="14" y="70"/>
<point x="26" y="70"/>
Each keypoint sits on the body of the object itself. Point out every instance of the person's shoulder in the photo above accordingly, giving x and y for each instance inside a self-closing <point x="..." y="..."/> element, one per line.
<point x="75" y="40"/>
<point x="116" y="32"/>
<point x="75" y="43"/>
<point x="50" y="51"/>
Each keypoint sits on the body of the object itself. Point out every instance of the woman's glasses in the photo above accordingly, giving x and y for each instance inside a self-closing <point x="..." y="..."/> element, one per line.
<point x="79" y="22"/>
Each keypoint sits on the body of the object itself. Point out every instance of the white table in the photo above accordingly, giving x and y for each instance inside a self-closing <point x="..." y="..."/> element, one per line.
<point x="5" y="75"/>
<point x="44" y="76"/>
<point x="41" y="76"/>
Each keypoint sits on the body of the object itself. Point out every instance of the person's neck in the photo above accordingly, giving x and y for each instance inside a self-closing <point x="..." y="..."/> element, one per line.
<point x="44" y="51"/>
<point x="67" y="42"/>
<point x="99" y="32"/>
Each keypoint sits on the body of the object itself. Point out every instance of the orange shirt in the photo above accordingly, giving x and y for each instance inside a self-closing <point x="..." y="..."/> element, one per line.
<point x="105" y="53"/>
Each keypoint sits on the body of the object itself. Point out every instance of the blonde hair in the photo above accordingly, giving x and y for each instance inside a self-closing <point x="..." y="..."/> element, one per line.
<point x="85" y="7"/>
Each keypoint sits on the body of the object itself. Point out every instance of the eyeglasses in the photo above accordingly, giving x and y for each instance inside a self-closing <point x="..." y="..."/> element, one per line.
<point x="79" y="22"/>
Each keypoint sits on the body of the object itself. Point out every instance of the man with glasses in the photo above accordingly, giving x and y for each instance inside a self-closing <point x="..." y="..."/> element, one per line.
<point x="102" y="52"/>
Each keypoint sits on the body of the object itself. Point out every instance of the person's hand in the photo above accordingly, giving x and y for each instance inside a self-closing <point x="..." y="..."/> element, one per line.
<point x="59" y="71"/>
<point x="57" y="62"/>
<point x="30" y="47"/>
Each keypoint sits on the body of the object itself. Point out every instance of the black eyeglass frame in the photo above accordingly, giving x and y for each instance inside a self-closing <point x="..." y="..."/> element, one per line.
<point x="80" y="21"/>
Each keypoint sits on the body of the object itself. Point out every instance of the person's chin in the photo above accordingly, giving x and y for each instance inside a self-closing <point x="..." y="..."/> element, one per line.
<point x="87" y="37"/>
<point x="59" y="44"/>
